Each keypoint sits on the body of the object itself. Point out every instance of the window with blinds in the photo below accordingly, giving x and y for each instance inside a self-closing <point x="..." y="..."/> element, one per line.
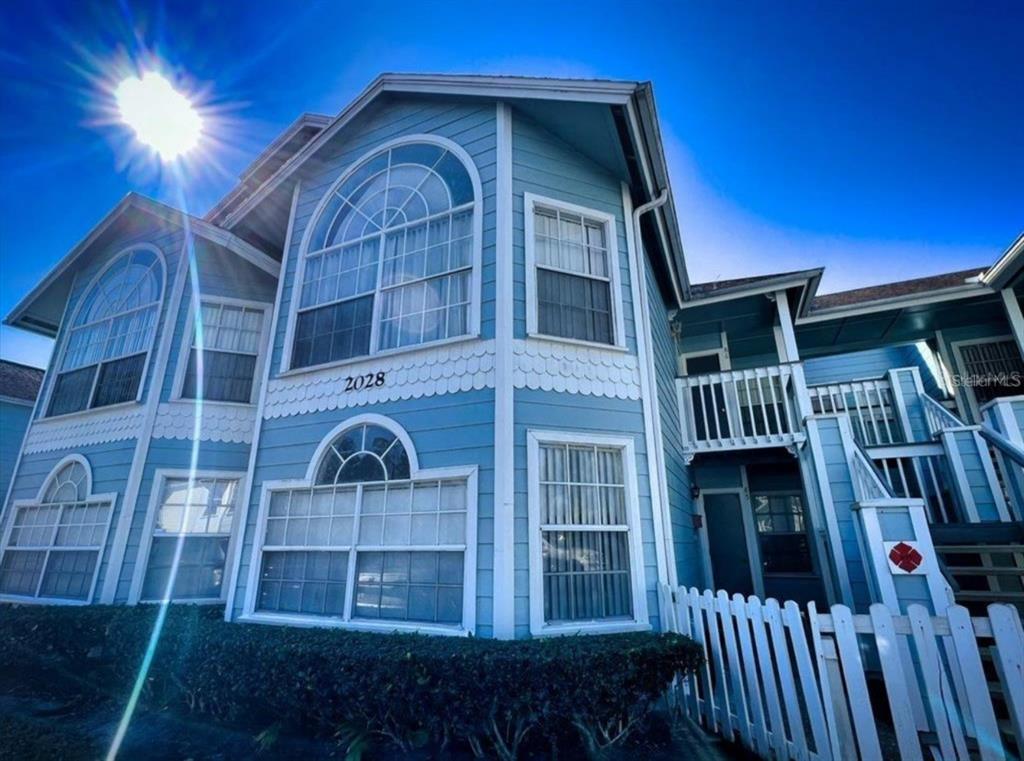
<point x="230" y="349"/>
<point x="583" y="521"/>
<point x="191" y="534"/>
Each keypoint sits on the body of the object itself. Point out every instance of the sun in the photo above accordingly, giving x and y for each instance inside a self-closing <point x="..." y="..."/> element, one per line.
<point x="161" y="117"/>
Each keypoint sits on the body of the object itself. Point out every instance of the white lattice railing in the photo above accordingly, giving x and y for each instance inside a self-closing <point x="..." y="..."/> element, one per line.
<point x="739" y="409"/>
<point x="869" y="404"/>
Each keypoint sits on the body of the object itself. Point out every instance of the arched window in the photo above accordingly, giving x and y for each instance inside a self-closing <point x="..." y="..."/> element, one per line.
<point x="390" y="255"/>
<point x="371" y="540"/>
<point x="111" y="335"/>
<point x="53" y="547"/>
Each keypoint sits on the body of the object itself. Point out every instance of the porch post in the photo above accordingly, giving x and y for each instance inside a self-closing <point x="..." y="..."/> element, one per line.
<point x="786" y="337"/>
<point x="1014" y="316"/>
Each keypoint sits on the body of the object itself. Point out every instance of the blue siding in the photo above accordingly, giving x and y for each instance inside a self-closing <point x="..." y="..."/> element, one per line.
<point x="678" y="476"/>
<point x="841" y="487"/>
<point x="544" y="410"/>
<point x="547" y="166"/>
<point x="861" y="365"/>
<point x="172" y="454"/>
<point x="447" y="430"/>
<point x="14" y="419"/>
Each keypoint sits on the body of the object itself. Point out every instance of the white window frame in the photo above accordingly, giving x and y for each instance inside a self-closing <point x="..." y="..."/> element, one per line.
<point x="188" y="338"/>
<point x="638" y="585"/>
<point x="530" y="202"/>
<point x="160" y="479"/>
<point x="466" y="473"/>
<point x="66" y="330"/>
<point x="295" y="287"/>
<point x="105" y="499"/>
<point x="961" y="368"/>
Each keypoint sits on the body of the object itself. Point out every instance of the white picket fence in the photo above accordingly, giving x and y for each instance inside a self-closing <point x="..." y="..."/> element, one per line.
<point x="794" y="684"/>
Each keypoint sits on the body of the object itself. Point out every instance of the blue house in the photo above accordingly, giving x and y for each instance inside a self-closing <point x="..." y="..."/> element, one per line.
<point x="435" y="364"/>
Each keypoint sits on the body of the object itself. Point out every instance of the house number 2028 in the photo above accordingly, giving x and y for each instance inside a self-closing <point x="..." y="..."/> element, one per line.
<point x="359" y="382"/>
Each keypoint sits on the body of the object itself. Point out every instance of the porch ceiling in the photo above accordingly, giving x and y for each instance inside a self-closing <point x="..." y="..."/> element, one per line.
<point x="898" y="325"/>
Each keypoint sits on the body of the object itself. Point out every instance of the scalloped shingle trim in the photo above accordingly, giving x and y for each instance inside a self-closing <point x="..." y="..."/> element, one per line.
<point x="221" y="422"/>
<point x="551" y="366"/>
<point x="410" y="375"/>
<point x="94" y="428"/>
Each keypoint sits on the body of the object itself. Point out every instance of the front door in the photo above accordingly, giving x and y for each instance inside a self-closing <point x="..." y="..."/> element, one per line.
<point x="727" y="543"/>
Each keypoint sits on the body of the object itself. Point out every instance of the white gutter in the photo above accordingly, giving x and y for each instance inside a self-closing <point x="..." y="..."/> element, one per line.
<point x="652" y="419"/>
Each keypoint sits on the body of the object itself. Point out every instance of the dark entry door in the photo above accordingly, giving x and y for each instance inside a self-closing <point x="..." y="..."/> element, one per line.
<point x="727" y="540"/>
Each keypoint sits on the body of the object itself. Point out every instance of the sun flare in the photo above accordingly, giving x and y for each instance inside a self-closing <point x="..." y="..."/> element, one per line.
<point x="161" y="117"/>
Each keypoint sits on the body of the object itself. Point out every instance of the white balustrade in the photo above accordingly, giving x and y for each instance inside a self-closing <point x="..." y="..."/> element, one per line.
<point x="869" y="403"/>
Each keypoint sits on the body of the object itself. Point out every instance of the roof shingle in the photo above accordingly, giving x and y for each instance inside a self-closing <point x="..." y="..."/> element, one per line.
<point x="19" y="381"/>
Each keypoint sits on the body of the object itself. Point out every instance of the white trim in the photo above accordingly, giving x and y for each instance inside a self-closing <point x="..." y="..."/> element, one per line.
<point x="469" y="473"/>
<point x="162" y="211"/>
<point x="135" y="474"/>
<point x="188" y="338"/>
<point x="530" y="202"/>
<point x="504" y="364"/>
<point x="68" y="327"/>
<point x="640" y="620"/>
<point x="789" y="350"/>
<point x="368" y="418"/>
<point x="653" y="442"/>
<point x="160" y="478"/>
<point x="1014" y="317"/>
<point x="17" y="401"/>
<point x="109" y="499"/>
<point x="768" y="286"/>
<point x="722" y="352"/>
<point x="234" y="559"/>
<point x="473" y="323"/>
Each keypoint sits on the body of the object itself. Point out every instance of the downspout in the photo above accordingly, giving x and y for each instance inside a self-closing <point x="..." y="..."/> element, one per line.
<point x="647" y="368"/>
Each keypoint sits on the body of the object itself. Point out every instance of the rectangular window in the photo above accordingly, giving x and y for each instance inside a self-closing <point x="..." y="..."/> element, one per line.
<point x="53" y="550"/>
<point x="994" y="369"/>
<point x="392" y="551"/>
<point x="573" y="256"/>
<point x="782" y="533"/>
<point x="582" y="520"/>
<point x="199" y="519"/>
<point x="231" y="346"/>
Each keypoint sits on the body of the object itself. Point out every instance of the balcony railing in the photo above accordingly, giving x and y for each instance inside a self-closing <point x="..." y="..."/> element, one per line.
<point x="739" y="409"/>
<point x="869" y="404"/>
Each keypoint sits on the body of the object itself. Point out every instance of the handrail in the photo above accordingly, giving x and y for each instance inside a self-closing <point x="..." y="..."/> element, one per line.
<point x="867" y="483"/>
<point x="1003" y="444"/>
<point x="939" y="418"/>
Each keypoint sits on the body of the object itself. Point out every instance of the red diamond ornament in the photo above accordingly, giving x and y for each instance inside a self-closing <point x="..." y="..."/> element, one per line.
<point x="905" y="557"/>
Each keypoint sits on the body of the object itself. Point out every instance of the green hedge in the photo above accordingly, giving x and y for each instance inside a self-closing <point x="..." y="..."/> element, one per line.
<point x="495" y="697"/>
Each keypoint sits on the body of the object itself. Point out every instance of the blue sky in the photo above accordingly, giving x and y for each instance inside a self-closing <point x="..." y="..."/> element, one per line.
<point x="883" y="141"/>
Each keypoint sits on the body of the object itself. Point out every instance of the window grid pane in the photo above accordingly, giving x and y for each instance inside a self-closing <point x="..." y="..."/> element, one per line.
<point x="119" y="381"/>
<point x="575" y="307"/>
<point x="409" y="211"/>
<point x="306" y="525"/>
<point x="782" y="533"/>
<point x="52" y="549"/>
<point x="586" y="573"/>
<point x="71" y="391"/>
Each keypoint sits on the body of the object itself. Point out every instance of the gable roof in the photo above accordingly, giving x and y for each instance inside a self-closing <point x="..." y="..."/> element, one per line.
<point x="639" y="125"/>
<point x="18" y="381"/>
<point x="59" y="276"/>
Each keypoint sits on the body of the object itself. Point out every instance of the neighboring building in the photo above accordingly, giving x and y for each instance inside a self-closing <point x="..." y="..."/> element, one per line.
<point x="19" y="386"/>
<point x="455" y="379"/>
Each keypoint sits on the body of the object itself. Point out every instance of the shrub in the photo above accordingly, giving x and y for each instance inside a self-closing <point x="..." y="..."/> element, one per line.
<point x="415" y="690"/>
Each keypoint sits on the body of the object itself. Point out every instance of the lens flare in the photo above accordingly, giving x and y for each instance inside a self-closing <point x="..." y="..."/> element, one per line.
<point x="161" y="117"/>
